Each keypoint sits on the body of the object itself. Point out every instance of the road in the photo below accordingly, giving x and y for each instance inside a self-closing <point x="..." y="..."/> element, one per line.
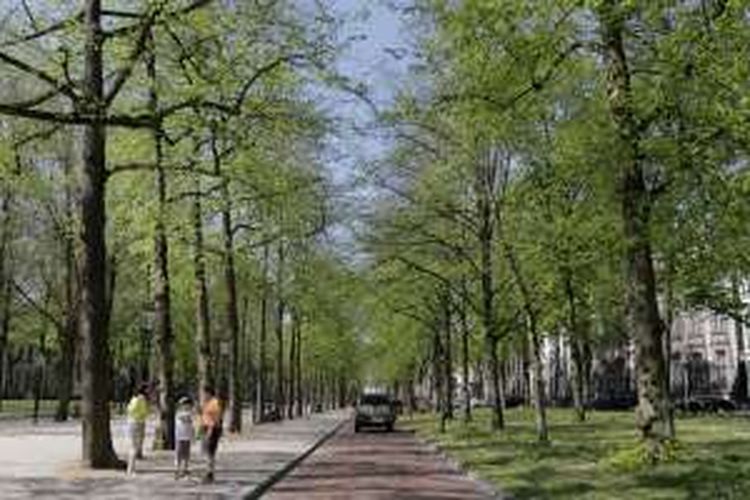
<point x="377" y="465"/>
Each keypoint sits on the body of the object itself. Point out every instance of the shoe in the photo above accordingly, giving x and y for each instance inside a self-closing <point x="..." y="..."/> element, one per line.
<point x="208" y="478"/>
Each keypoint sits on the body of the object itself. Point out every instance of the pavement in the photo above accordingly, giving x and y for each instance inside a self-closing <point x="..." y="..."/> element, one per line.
<point x="378" y="465"/>
<point x="42" y="461"/>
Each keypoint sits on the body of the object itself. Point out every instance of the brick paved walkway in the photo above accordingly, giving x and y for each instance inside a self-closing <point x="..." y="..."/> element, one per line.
<point x="378" y="465"/>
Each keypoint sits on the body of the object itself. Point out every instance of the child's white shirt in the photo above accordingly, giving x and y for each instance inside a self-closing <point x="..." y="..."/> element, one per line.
<point x="184" y="425"/>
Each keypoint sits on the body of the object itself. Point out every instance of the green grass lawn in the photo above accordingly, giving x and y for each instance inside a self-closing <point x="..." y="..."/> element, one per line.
<point x="712" y="462"/>
<point x="25" y="407"/>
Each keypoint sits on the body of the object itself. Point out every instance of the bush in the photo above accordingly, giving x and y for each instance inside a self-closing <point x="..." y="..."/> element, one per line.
<point x="644" y="454"/>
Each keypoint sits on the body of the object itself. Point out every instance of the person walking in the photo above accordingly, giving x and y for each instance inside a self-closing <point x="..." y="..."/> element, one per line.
<point x="137" y="412"/>
<point x="211" y="422"/>
<point x="184" y="433"/>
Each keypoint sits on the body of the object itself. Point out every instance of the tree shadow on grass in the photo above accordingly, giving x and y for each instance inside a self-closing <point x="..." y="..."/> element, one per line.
<point x="547" y="482"/>
<point x="722" y="470"/>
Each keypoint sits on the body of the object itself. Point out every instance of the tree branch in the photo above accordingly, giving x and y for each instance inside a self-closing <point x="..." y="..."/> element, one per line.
<point x="35" y="305"/>
<point x="20" y="65"/>
<point x="75" y="118"/>
<point x="126" y="70"/>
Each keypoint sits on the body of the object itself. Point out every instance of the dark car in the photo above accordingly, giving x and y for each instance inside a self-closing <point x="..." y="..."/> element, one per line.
<point x="375" y="410"/>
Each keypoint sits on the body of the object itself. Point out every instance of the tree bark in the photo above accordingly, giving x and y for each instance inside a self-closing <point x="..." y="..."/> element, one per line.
<point x="97" y="439"/>
<point x="448" y="356"/>
<point x="280" y="311"/>
<point x="292" y="368"/>
<point x="7" y="298"/>
<point x="162" y="290"/>
<point x="580" y="352"/>
<point x="6" y="279"/>
<point x="260" y="392"/>
<point x="465" y="355"/>
<point x="230" y="282"/>
<point x="537" y="363"/>
<point x="652" y="413"/>
<point x="202" y="315"/>
<point x="298" y="370"/>
<point x="438" y="375"/>
<point x="488" y="306"/>
<point x="69" y="332"/>
<point x="740" y="390"/>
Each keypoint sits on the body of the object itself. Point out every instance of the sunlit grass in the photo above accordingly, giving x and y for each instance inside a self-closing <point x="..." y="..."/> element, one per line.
<point x="25" y="407"/>
<point x="713" y="459"/>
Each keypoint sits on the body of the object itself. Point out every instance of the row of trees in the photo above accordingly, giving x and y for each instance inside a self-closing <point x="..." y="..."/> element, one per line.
<point x="561" y="168"/>
<point x="164" y="205"/>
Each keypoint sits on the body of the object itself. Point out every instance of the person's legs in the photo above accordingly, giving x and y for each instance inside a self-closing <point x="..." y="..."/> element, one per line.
<point x="186" y="457"/>
<point x="140" y="436"/>
<point x="211" y="443"/>
<point x="136" y="440"/>
<point x="182" y="457"/>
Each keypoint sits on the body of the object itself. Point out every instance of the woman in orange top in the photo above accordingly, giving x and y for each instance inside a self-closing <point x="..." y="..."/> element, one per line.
<point x="211" y="422"/>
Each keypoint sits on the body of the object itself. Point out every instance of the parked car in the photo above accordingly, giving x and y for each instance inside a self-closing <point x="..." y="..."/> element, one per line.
<point x="375" y="410"/>
<point x="707" y="404"/>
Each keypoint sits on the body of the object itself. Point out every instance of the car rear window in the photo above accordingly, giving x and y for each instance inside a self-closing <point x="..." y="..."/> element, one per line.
<point x="375" y="399"/>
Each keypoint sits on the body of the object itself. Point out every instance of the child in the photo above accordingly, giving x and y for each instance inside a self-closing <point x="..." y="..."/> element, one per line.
<point x="183" y="435"/>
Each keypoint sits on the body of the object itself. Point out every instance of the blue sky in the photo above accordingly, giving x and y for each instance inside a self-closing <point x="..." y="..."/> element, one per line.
<point x="370" y="61"/>
<point x="359" y="142"/>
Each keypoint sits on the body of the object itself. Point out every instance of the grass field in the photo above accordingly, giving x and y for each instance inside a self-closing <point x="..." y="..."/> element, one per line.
<point x="712" y="459"/>
<point x="25" y="407"/>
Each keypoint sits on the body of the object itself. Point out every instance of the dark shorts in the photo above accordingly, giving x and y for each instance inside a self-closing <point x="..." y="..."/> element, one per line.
<point x="183" y="450"/>
<point x="211" y="441"/>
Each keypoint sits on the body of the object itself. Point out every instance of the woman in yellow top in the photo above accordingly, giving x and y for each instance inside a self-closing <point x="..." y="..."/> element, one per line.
<point x="138" y="411"/>
<point x="211" y="421"/>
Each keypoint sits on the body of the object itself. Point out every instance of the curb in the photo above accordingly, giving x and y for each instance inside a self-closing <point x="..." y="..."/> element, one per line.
<point x="277" y="476"/>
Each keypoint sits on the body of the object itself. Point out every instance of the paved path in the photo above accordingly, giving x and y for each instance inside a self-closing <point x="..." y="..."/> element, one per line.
<point x="40" y="462"/>
<point x="377" y="465"/>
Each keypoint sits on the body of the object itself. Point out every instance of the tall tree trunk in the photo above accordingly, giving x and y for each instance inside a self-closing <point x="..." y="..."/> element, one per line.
<point x="438" y="375"/>
<point x="488" y="308"/>
<point x="498" y="421"/>
<point x="740" y="390"/>
<point x="280" y="311"/>
<point x="68" y="341"/>
<point x="245" y="369"/>
<point x="537" y="363"/>
<point x="484" y="186"/>
<point x="97" y="438"/>
<point x="260" y="392"/>
<point x="6" y="279"/>
<point x="40" y="360"/>
<point x="230" y="282"/>
<point x="652" y="413"/>
<point x="465" y="354"/>
<point x="69" y="332"/>
<point x="669" y="428"/>
<point x="578" y="351"/>
<point x="448" y="356"/>
<point x="298" y="370"/>
<point x="292" y="368"/>
<point x="162" y="290"/>
<point x="540" y="395"/>
<point x="202" y="315"/>
<point x="7" y="299"/>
